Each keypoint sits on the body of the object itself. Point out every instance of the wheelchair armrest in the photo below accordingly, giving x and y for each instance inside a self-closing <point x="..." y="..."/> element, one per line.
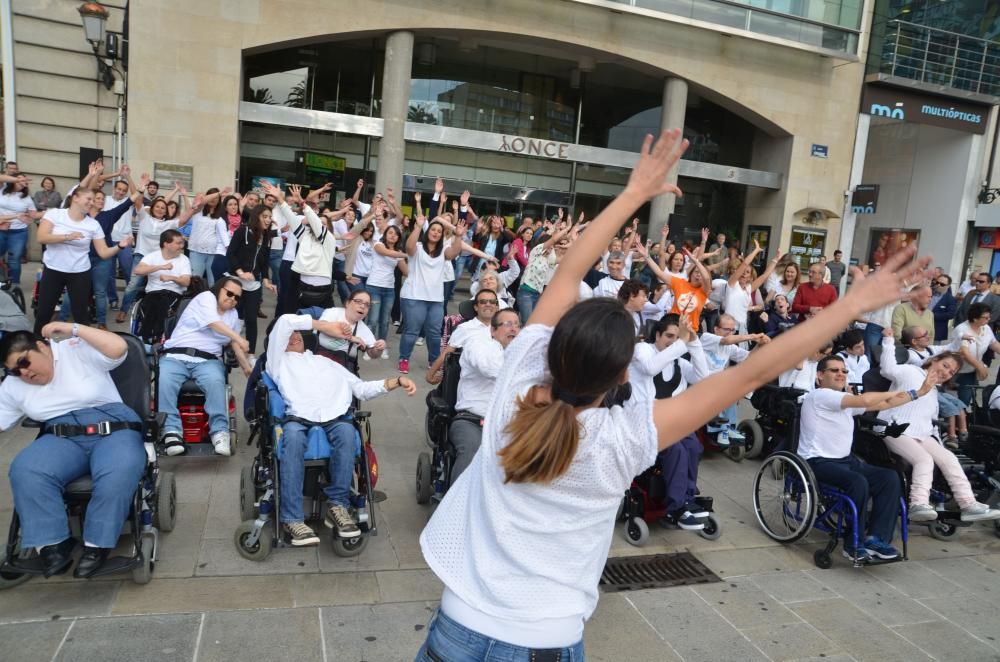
<point x="896" y="429"/>
<point x="362" y="415"/>
<point x="31" y="423"/>
<point x="439" y="406"/>
<point x="229" y="359"/>
<point x="869" y="420"/>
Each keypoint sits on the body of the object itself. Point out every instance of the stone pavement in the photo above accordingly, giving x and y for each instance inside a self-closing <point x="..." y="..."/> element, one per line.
<point x="208" y="603"/>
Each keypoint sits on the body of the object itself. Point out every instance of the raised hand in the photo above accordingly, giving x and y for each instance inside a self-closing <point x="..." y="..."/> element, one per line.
<point x="416" y="197"/>
<point x="144" y="180"/>
<point x="704" y="235"/>
<point x="465" y="198"/>
<point x="887" y="284"/>
<point x="649" y="177"/>
<point x="579" y="219"/>
<point x="664" y="231"/>
<point x="438" y="185"/>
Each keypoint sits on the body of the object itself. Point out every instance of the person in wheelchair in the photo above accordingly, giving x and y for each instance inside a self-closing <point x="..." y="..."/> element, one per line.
<point x="825" y="440"/>
<point x="194" y="351"/>
<point x="920" y="446"/>
<point x="486" y="303"/>
<point x="317" y="392"/>
<point x="168" y="273"/>
<point x="86" y="429"/>
<point x="481" y="361"/>
<point x="917" y="341"/>
<point x="722" y="347"/>
<point x="336" y="347"/>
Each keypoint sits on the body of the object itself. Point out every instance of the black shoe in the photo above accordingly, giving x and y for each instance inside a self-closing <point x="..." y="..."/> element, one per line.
<point x="90" y="561"/>
<point x="57" y="557"/>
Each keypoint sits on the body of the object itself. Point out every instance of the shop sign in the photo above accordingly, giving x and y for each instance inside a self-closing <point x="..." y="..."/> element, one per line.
<point x="534" y="147"/>
<point x="168" y="173"/>
<point x="897" y="104"/>
<point x="324" y="163"/>
<point x="864" y="200"/>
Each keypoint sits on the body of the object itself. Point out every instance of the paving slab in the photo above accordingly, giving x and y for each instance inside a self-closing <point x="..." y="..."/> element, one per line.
<point x="408" y="586"/>
<point x="383" y="633"/>
<point x="35" y="600"/>
<point x="31" y="642"/>
<point x="271" y="634"/>
<point x="791" y="586"/>
<point x="378" y="555"/>
<point x="165" y="638"/>
<point x="204" y="594"/>
<point x="220" y="558"/>
<point x="976" y="613"/>
<point x="740" y="562"/>
<point x="854" y="632"/>
<point x="617" y="631"/>
<point x="332" y="589"/>
<point x="873" y="596"/>
<point x="180" y="549"/>
<point x="947" y="641"/>
<point x="915" y="580"/>
<point x="693" y="628"/>
<point x="743" y="604"/>
<point x="969" y="573"/>
<point x="791" y="641"/>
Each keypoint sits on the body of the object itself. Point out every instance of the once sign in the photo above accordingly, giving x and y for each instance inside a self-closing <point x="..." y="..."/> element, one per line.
<point x="534" y="147"/>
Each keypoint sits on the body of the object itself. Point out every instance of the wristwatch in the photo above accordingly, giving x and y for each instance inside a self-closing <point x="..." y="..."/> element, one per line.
<point x="75" y="332"/>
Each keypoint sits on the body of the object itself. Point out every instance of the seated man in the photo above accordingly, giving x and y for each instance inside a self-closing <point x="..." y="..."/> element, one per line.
<point x="485" y="303"/>
<point x="481" y="361"/>
<point x="339" y="347"/>
<point x="825" y="439"/>
<point x="67" y="387"/>
<point x="168" y="272"/>
<point x="318" y="391"/>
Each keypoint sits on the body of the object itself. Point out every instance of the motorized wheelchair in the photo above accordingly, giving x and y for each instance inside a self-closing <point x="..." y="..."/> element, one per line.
<point x="775" y="422"/>
<point x="789" y="502"/>
<point x="434" y="467"/>
<point x="10" y="287"/>
<point x="154" y="506"/>
<point x="264" y="409"/>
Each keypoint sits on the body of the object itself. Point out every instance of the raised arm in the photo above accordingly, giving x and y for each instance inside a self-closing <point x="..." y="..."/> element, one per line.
<point x="745" y="265"/>
<point x="657" y="269"/>
<point x="418" y="227"/>
<point x="456" y="246"/>
<point x="762" y="278"/>
<point x="887" y="364"/>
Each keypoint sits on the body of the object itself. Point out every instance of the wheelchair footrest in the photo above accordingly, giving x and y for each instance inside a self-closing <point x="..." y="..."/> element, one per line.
<point x="118" y="564"/>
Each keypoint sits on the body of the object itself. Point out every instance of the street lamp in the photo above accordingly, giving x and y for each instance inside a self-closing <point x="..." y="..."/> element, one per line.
<point x="95" y="17"/>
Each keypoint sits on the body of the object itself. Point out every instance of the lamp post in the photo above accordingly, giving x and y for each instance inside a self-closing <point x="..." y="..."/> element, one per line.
<point x="94" y="16"/>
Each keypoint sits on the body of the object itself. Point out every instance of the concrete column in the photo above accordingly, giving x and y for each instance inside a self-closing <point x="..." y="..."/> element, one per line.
<point x="850" y="221"/>
<point x="395" y="100"/>
<point x="675" y="93"/>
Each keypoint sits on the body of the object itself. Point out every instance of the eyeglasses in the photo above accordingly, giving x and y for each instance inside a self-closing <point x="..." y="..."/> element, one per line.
<point x="836" y="371"/>
<point x="982" y="280"/>
<point x="725" y="329"/>
<point x="362" y="303"/>
<point x="509" y="324"/>
<point x="231" y="294"/>
<point x="22" y="363"/>
<point x="486" y="302"/>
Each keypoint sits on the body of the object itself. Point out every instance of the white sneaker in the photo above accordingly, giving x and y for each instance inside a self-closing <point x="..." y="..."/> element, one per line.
<point x="420" y="341"/>
<point x="385" y="354"/>
<point x="220" y="441"/>
<point x="978" y="511"/>
<point x="922" y="512"/>
<point x="173" y="444"/>
<point x="365" y="357"/>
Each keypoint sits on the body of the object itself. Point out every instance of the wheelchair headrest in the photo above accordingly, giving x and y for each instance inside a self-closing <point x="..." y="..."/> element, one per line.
<point x="648" y="331"/>
<point x="170" y="323"/>
<point x="466" y="309"/>
<point x="132" y="376"/>
<point x="452" y="375"/>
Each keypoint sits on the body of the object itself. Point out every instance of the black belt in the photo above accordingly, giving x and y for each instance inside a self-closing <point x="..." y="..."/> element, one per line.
<point x="471" y="417"/>
<point x="102" y="428"/>
<point x="191" y="351"/>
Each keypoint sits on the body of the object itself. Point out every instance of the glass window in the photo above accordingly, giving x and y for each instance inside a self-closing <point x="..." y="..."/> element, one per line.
<point x="706" y="10"/>
<point x="806" y="246"/>
<point x="281" y="88"/>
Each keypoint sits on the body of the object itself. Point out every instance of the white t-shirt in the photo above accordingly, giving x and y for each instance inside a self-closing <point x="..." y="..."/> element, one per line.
<point x="803" y="378"/>
<point x="826" y="430"/>
<point x="180" y="266"/>
<point x="340" y="227"/>
<point x="361" y="330"/>
<point x="608" y="287"/>
<point x="647" y="362"/>
<point x="13" y="203"/>
<point x="976" y="347"/>
<point x="737" y="304"/>
<point x="363" y="259"/>
<point x="718" y="295"/>
<point x="192" y="328"/>
<point x="277" y="243"/>
<point x="71" y="257"/>
<point x="527" y="552"/>
<point x="202" y="239"/>
<point x="718" y="356"/>
<point x="383" y="270"/>
<point x="857" y="366"/>
<point x="150" y="229"/>
<point x="468" y="331"/>
<point x="80" y="380"/>
<point x="425" y="281"/>
<point x="111" y="203"/>
<point x="222" y="237"/>
<point x="481" y="361"/>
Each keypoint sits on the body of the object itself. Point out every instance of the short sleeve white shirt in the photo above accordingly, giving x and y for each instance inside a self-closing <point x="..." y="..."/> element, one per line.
<point x="70" y="256"/>
<point x="718" y="355"/>
<point x="364" y="258"/>
<point x="608" y="287"/>
<point x="179" y="266"/>
<point x="468" y="331"/>
<point x="80" y="380"/>
<point x="150" y="229"/>
<point x="827" y="430"/>
<point x="202" y="239"/>
<point x="977" y="346"/>
<point x="13" y="203"/>
<point x="360" y="330"/>
<point x="192" y="328"/>
<point x="481" y="361"/>
<point x="383" y="270"/>
<point x="425" y="281"/>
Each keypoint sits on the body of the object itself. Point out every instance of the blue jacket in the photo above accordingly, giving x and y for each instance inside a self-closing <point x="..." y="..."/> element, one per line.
<point x="944" y="310"/>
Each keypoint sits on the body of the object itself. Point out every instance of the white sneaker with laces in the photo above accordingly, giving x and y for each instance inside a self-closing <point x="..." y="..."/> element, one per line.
<point x="220" y="441"/>
<point x="300" y="534"/>
<point x="385" y="354"/>
<point x="979" y="511"/>
<point x="420" y="341"/>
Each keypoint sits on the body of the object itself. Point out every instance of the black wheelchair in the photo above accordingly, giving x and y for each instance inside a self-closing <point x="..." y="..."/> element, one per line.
<point x="434" y="467"/>
<point x="154" y="506"/>
<point x="775" y="422"/>
<point x="264" y="409"/>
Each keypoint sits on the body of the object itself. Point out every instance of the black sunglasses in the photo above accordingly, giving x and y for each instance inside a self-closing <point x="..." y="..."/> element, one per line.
<point x="22" y="363"/>
<point x="482" y="301"/>
<point x="231" y="294"/>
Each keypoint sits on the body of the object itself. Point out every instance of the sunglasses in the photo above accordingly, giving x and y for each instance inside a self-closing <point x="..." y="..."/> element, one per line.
<point x="836" y="371"/>
<point x="487" y="302"/>
<point x="231" y="294"/>
<point x="941" y="284"/>
<point x="22" y="363"/>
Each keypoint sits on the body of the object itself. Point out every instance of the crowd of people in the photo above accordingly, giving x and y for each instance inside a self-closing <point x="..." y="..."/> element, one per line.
<point x="561" y="312"/>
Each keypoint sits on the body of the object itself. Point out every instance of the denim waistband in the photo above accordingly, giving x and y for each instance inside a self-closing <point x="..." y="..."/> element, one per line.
<point x="115" y="411"/>
<point x="476" y="643"/>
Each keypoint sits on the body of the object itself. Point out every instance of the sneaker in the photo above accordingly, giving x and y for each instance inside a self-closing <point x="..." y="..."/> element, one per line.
<point x="365" y="357"/>
<point x="174" y="444"/>
<point x="404" y="366"/>
<point x="881" y="550"/>
<point x="736" y="437"/>
<point x="951" y="443"/>
<point x="220" y="441"/>
<point x="722" y="439"/>
<point x="963" y="436"/>
<point x="420" y="341"/>
<point x="922" y="512"/>
<point x="395" y="323"/>
<point x="113" y="305"/>
<point x="682" y="519"/>
<point x="978" y="511"/>
<point x="338" y="518"/>
<point x="862" y="556"/>
<point x="301" y="534"/>
<point x="696" y="511"/>
<point x="385" y="354"/>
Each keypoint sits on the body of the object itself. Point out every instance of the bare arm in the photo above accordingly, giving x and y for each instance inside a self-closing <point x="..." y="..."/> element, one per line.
<point x="761" y="279"/>
<point x="108" y="343"/>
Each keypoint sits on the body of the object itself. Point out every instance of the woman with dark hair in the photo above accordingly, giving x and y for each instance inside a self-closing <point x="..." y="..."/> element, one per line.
<point x="249" y="257"/>
<point x="494" y="241"/>
<point x="15" y="199"/>
<point x="423" y="292"/>
<point x="381" y="281"/>
<point x="67" y="387"/>
<point x="232" y="213"/>
<point x="202" y="242"/>
<point x="521" y="540"/>
<point x="47" y="197"/>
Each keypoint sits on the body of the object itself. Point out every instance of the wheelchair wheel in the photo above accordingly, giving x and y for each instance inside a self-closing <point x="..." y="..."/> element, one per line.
<point x="942" y="530"/>
<point x="142" y="573"/>
<point x="637" y="531"/>
<point x="423" y="478"/>
<point x="712" y="529"/>
<point x="736" y="452"/>
<point x="822" y="559"/>
<point x="166" y="503"/>
<point x="784" y="497"/>
<point x="248" y="494"/>
<point x="18" y="296"/>
<point x="259" y="551"/>
<point x="348" y="547"/>
<point x="754" y="435"/>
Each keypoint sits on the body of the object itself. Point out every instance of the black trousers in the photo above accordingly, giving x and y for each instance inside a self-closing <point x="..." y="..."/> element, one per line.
<point x="248" y="309"/>
<point x="50" y="291"/>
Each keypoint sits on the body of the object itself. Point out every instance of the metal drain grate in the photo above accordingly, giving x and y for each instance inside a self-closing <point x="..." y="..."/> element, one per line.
<point x="631" y="573"/>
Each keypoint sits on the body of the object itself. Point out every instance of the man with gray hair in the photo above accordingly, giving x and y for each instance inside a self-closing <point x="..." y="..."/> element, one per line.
<point x="610" y="284"/>
<point x="915" y="312"/>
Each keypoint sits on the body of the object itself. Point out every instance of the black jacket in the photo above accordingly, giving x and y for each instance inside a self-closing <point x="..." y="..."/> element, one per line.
<point x="245" y="254"/>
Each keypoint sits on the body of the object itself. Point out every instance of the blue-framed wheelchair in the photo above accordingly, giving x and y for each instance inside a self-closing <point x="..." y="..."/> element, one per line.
<point x="258" y="533"/>
<point x="789" y="502"/>
<point x="434" y="467"/>
<point x="154" y="506"/>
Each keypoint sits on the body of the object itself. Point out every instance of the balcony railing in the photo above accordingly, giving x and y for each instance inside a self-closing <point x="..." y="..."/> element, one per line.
<point x="940" y="58"/>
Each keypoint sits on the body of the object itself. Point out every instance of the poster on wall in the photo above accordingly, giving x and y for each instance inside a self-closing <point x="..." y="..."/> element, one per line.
<point x="806" y="246"/>
<point x="762" y="235"/>
<point x="168" y="173"/>
<point x="887" y="242"/>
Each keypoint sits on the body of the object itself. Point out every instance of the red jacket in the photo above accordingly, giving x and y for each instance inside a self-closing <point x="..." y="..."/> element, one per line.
<point x="808" y="297"/>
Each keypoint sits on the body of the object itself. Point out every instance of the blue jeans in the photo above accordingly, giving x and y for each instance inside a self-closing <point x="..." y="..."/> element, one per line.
<point x="292" y="469"/>
<point x="421" y="319"/>
<point x="211" y="379"/>
<point x="460" y="263"/>
<point x="136" y="284"/>
<point x="220" y="263"/>
<point x="447" y="640"/>
<point x="378" y="315"/>
<point x="12" y="245"/>
<point x="274" y="267"/>
<point x="201" y="265"/>
<point x="859" y="481"/>
<point x="964" y="381"/>
<point x="873" y="338"/>
<point x="343" y="289"/>
<point x="527" y="299"/>
<point x="40" y="472"/>
<point x="124" y="260"/>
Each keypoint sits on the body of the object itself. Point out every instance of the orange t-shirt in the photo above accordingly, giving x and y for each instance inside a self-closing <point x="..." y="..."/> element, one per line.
<point x="688" y="300"/>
